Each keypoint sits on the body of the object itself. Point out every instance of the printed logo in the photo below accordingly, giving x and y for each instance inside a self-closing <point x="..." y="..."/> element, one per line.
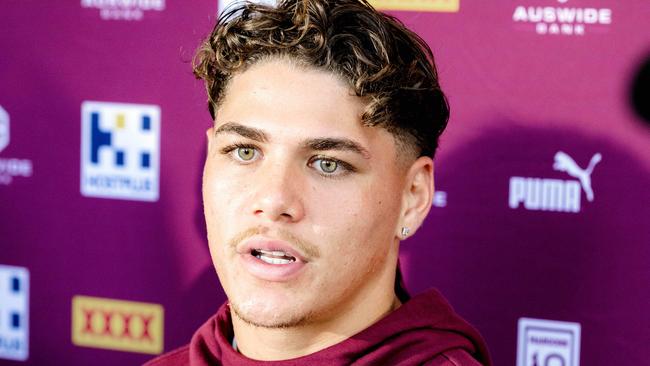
<point x="225" y="4"/>
<point x="10" y="167"/>
<point x="560" y="19"/>
<point x="120" y="150"/>
<point x="123" y="9"/>
<point x="440" y="199"/>
<point x="542" y="194"/>
<point x="117" y="325"/>
<point x="4" y="129"/>
<point x="548" y="343"/>
<point x="451" y="6"/>
<point x="14" y="313"/>
<point x="411" y="5"/>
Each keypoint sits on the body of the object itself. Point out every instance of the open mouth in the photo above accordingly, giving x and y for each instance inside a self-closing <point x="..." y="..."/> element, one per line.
<point x="273" y="256"/>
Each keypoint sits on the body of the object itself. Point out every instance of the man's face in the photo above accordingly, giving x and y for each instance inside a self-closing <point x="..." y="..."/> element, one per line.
<point x="302" y="202"/>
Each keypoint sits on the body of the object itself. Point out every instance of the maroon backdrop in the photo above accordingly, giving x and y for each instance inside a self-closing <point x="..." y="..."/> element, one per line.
<point x="543" y="205"/>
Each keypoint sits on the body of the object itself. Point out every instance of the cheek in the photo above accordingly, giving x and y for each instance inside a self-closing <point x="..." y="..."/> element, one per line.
<point x="380" y="206"/>
<point x="360" y="222"/>
<point x="223" y="193"/>
<point x="222" y="201"/>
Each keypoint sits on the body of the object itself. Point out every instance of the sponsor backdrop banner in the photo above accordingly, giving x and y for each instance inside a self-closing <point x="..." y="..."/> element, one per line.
<point x="539" y="234"/>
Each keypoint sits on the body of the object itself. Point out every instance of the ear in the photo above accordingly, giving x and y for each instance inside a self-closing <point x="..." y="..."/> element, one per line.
<point x="417" y="196"/>
<point x="210" y="136"/>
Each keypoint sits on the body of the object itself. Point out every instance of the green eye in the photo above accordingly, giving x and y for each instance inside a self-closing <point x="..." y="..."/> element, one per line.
<point x="328" y="166"/>
<point x="245" y="153"/>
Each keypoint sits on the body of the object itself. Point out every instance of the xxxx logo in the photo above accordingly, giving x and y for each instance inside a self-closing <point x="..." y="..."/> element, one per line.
<point x="115" y="324"/>
<point x="118" y="324"/>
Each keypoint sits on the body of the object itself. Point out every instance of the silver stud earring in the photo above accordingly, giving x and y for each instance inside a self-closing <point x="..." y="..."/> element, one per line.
<point x="405" y="231"/>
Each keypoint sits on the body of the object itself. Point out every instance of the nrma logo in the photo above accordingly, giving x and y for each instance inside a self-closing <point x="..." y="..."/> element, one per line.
<point x="120" y="150"/>
<point x="14" y="313"/>
<point x="543" y="194"/>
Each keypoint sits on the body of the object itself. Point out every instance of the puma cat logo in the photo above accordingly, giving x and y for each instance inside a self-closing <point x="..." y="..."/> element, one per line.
<point x="543" y="194"/>
<point x="564" y="163"/>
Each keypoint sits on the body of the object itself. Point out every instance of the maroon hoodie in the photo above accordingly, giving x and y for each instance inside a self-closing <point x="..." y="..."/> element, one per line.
<point x="423" y="331"/>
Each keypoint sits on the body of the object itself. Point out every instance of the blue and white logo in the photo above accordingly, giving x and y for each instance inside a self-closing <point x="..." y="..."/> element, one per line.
<point x="14" y="313"/>
<point x="548" y="343"/>
<point x="120" y="150"/>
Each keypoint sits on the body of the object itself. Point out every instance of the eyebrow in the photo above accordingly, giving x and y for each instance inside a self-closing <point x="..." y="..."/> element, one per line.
<point x="248" y="132"/>
<point x="329" y="143"/>
<point x="316" y="144"/>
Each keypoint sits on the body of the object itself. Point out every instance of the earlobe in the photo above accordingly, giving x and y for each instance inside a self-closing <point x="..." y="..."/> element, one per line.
<point x="418" y="196"/>
<point x="405" y="232"/>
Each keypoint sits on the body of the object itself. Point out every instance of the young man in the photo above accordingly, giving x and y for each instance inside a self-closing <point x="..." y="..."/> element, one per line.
<point x="326" y="120"/>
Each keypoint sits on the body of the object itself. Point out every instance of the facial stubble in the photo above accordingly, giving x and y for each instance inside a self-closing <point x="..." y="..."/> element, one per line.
<point x="309" y="250"/>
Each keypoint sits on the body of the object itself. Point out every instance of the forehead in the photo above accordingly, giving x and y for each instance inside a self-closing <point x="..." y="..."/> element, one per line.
<point x="290" y="100"/>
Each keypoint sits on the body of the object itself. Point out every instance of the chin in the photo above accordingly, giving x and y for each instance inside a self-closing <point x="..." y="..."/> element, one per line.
<point x="270" y="312"/>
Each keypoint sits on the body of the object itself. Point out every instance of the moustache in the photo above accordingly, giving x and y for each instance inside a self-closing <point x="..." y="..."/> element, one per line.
<point x="309" y="250"/>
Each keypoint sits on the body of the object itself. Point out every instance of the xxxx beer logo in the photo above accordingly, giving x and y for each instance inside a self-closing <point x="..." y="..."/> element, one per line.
<point x="118" y="325"/>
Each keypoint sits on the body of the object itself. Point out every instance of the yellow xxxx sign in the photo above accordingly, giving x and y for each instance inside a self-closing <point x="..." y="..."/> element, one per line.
<point x="118" y="325"/>
<point x="451" y="6"/>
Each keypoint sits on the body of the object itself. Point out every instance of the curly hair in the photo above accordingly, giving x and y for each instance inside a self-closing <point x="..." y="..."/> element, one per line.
<point x="382" y="61"/>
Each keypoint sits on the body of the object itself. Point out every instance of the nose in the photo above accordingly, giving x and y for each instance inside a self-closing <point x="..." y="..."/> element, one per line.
<point x="279" y="194"/>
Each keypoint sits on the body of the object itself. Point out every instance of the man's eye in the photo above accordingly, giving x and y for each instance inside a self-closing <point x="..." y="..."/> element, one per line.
<point x="331" y="167"/>
<point x="245" y="153"/>
<point x="328" y="166"/>
<point x="242" y="153"/>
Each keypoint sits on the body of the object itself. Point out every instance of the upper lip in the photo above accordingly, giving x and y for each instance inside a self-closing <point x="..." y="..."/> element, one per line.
<point x="268" y="244"/>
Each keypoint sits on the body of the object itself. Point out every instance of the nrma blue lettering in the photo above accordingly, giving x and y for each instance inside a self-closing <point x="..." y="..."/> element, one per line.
<point x="10" y="344"/>
<point x="120" y="183"/>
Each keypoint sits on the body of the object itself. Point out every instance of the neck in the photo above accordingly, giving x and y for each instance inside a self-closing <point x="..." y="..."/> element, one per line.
<point x="270" y="344"/>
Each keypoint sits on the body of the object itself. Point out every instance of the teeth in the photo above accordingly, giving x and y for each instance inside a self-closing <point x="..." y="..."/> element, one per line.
<point x="271" y="260"/>
<point x="273" y="256"/>
<point x="277" y="253"/>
